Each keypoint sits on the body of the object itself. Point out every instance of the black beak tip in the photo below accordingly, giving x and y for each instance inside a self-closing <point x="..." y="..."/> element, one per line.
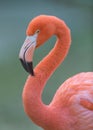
<point x="28" y="66"/>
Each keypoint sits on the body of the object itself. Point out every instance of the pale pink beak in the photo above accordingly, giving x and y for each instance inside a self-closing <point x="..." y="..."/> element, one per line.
<point x="26" y="53"/>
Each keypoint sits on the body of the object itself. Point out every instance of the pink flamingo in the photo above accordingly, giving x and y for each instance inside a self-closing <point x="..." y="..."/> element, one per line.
<point x="72" y="104"/>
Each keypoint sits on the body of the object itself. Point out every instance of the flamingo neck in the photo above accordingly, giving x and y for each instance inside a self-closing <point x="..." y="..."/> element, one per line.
<point x="56" y="56"/>
<point x="38" y="112"/>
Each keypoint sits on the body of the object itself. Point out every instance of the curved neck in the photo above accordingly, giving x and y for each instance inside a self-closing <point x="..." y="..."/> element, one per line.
<point x="34" y="107"/>
<point x="56" y="56"/>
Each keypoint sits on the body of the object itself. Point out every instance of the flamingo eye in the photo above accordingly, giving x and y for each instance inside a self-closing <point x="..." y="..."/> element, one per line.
<point x="37" y="31"/>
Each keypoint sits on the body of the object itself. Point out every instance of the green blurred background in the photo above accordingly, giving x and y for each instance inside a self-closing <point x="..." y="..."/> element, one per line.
<point x="14" y="18"/>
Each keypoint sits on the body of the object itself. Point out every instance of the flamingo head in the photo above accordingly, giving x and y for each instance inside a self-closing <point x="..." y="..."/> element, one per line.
<point x="39" y="30"/>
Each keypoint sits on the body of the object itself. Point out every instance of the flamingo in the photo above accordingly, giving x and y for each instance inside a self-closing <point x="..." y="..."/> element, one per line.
<point x="72" y="105"/>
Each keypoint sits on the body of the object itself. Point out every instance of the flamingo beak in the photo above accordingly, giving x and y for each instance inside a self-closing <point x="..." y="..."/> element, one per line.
<point x="26" y="53"/>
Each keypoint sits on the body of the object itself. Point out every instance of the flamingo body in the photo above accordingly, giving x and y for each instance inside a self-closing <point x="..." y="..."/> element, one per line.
<point x="72" y="104"/>
<point x="75" y="98"/>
